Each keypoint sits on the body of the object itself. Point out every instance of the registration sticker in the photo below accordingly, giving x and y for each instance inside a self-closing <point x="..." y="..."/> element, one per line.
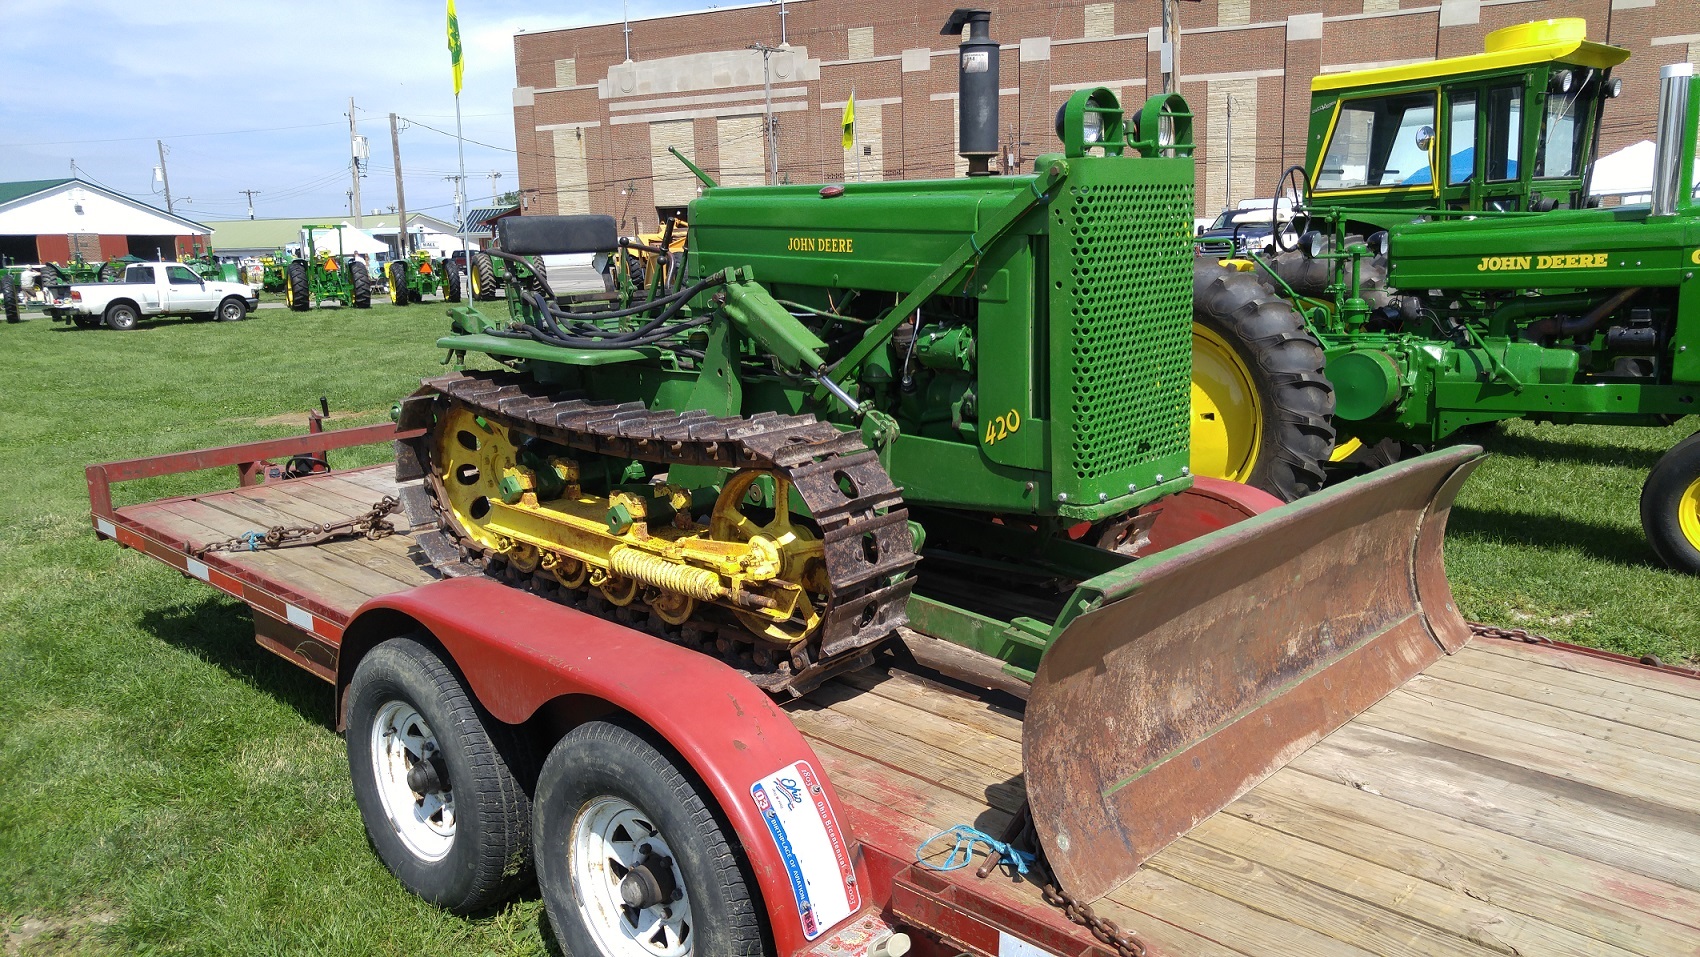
<point x="806" y="833"/>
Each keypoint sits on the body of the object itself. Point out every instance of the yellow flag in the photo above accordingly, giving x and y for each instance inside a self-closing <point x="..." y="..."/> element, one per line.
<point x="454" y="45"/>
<point x="849" y="119"/>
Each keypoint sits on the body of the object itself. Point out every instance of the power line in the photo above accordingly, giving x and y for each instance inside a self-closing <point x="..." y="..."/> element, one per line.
<point x="179" y="136"/>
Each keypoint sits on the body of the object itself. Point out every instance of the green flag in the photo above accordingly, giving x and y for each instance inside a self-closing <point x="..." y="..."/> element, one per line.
<point x="454" y="45"/>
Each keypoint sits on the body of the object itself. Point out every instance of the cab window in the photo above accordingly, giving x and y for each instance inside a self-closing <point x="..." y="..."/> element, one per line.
<point x="1379" y="141"/>
<point x="181" y="276"/>
<point x="1502" y="132"/>
<point x="1561" y="146"/>
<point x="1461" y="147"/>
<point x="138" y="274"/>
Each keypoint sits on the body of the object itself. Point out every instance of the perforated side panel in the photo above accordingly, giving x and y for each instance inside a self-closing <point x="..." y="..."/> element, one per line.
<point x="1122" y="286"/>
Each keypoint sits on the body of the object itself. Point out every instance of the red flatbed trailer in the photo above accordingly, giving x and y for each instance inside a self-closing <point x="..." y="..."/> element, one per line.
<point x="1512" y="799"/>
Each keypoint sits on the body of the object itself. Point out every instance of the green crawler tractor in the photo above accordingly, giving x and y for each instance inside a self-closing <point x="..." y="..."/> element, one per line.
<point x="1455" y="270"/>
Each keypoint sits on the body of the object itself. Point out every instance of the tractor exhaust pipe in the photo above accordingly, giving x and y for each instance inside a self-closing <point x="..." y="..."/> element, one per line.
<point x="977" y="89"/>
<point x="1667" y="155"/>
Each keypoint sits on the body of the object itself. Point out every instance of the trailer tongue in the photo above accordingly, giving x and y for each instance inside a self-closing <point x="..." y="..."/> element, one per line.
<point x="1187" y="679"/>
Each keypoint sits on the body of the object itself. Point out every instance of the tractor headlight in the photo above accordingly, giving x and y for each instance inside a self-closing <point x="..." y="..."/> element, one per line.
<point x="1563" y="80"/>
<point x="1091" y="126"/>
<point x="1614" y="89"/>
<point x="1313" y="244"/>
<point x="1378" y="243"/>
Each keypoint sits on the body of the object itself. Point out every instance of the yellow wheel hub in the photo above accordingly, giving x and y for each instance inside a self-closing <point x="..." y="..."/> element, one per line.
<point x="1688" y="513"/>
<point x="1345" y="450"/>
<point x="1227" y="415"/>
<point x="472" y="279"/>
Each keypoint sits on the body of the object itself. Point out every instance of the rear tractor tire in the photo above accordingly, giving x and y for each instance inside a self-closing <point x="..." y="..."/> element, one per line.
<point x="451" y="281"/>
<point x="122" y="317"/>
<point x="1670" y="506"/>
<point x="1262" y="409"/>
<point x="9" y="294"/>
<point x="609" y="796"/>
<point x="397" y="274"/>
<point x="440" y="784"/>
<point x="297" y="295"/>
<point x="481" y="276"/>
<point x="360" y="282"/>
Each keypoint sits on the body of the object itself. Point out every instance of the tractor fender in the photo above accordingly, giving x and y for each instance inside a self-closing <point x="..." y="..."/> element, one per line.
<point x="517" y="652"/>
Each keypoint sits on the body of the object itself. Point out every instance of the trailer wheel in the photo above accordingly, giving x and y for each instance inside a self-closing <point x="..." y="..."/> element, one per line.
<point x="122" y="316"/>
<point x="481" y="276"/>
<point x="1670" y="506"/>
<point x="9" y="294"/>
<point x="632" y="857"/>
<point x="438" y="781"/>
<point x="397" y="273"/>
<point x="231" y="310"/>
<point x="87" y="322"/>
<point x="361" y="283"/>
<point x="1262" y="410"/>
<point x="451" y="281"/>
<point x="296" y="293"/>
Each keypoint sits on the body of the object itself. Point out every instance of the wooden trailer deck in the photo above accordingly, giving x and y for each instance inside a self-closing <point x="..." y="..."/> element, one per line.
<point x="1512" y="799"/>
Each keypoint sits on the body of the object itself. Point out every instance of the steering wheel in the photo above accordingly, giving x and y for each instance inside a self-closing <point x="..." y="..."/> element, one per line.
<point x="1290" y="187"/>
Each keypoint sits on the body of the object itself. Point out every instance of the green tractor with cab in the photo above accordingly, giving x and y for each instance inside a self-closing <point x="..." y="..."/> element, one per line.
<point x="1454" y="270"/>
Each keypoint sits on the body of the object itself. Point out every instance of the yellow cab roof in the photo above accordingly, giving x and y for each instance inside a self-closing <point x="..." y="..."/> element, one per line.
<point x="1562" y="40"/>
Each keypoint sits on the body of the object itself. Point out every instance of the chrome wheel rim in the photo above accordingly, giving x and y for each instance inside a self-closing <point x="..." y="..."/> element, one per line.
<point x="614" y="844"/>
<point x="424" y="819"/>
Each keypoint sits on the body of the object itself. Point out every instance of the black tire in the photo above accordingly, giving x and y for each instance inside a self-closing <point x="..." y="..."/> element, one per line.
<point x="297" y="293"/>
<point x="87" y="322"/>
<point x="231" y="309"/>
<point x="122" y="317"/>
<point x="481" y="276"/>
<point x="451" y="280"/>
<point x="108" y="272"/>
<point x="486" y="763"/>
<point x="360" y="283"/>
<point x="397" y="273"/>
<point x="9" y="298"/>
<point x="1670" y="506"/>
<point x="51" y="274"/>
<point x="600" y="763"/>
<point x="1311" y="277"/>
<point x="1284" y="365"/>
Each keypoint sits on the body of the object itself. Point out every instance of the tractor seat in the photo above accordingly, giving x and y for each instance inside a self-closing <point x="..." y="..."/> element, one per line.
<point x="557" y="235"/>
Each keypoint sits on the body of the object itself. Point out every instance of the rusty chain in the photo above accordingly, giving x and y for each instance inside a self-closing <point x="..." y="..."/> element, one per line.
<point x="1483" y="630"/>
<point x="1107" y="931"/>
<point x="372" y="524"/>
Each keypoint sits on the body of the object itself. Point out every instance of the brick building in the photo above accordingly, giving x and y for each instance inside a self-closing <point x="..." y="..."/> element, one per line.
<point x="593" y="126"/>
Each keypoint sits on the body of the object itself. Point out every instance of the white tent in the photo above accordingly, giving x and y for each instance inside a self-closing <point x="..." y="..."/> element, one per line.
<point x="1629" y="171"/>
<point x="353" y="241"/>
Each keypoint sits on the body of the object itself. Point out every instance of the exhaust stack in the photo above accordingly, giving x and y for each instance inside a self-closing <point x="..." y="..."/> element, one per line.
<point x="977" y="89"/>
<point x="1667" y="156"/>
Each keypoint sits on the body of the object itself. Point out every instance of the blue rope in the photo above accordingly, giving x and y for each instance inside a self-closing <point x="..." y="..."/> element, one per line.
<point x="253" y="539"/>
<point x="966" y="838"/>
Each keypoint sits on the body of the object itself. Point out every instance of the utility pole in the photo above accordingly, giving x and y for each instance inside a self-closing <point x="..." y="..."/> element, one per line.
<point x="460" y="215"/>
<point x="163" y="177"/>
<point x="250" y="193"/>
<point x="767" y="111"/>
<point x="400" y="197"/>
<point x="493" y="177"/>
<point x="356" y="150"/>
<point x="1228" y="164"/>
<point x="1171" y="46"/>
<point x="350" y="194"/>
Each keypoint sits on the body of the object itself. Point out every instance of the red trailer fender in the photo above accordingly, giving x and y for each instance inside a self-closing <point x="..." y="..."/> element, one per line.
<point x="518" y="652"/>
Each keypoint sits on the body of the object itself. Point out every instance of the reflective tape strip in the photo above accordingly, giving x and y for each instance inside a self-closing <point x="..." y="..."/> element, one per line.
<point x="1012" y="946"/>
<point x="106" y="528"/>
<point x="199" y="570"/>
<point x="299" y="618"/>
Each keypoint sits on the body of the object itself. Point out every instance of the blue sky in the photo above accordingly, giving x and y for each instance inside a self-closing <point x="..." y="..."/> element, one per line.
<point x="255" y="96"/>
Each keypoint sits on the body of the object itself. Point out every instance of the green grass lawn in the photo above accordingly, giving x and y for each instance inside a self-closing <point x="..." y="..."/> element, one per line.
<point x="170" y="787"/>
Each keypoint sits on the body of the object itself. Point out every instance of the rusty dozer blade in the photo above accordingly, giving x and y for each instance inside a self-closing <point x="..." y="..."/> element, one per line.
<point x="1196" y="673"/>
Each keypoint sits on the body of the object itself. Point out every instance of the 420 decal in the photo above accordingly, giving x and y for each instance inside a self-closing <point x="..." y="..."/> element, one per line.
<point x="1002" y="427"/>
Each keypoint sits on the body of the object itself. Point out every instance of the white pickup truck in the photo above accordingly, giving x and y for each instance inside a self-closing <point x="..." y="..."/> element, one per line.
<point x="149" y="290"/>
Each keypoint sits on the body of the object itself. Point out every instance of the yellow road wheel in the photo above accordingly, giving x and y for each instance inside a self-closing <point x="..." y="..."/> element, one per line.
<point x="1227" y="417"/>
<point x="738" y="516"/>
<point x="1670" y="506"/>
